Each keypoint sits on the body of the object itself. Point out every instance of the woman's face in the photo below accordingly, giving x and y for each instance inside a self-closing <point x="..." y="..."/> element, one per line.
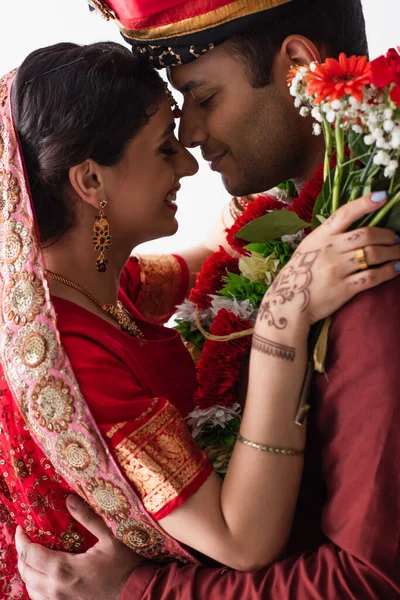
<point x="142" y="188"/>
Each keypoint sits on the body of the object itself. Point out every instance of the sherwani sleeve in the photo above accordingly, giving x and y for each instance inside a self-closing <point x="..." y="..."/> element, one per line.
<point x="357" y="428"/>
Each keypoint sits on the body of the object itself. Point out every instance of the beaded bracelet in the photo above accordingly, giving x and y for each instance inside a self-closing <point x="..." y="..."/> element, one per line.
<point x="270" y="449"/>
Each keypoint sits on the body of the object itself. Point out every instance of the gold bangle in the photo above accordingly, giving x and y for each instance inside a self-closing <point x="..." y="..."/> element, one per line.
<point x="270" y="449"/>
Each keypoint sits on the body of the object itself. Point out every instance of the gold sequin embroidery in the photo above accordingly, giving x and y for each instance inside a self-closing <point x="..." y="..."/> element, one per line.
<point x="161" y="280"/>
<point x="52" y="404"/>
<point x="160" y="458"/>
<point x="24" y="298"/>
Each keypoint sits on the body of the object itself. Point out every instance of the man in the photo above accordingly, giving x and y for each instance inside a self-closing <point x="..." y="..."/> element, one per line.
<point x="230" y="60"/>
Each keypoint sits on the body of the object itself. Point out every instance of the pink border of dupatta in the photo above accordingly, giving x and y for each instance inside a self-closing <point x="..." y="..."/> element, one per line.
<point x="39" y="373"/>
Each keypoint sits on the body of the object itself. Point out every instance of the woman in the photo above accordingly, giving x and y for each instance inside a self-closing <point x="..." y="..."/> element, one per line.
<point x="95" y="395"/>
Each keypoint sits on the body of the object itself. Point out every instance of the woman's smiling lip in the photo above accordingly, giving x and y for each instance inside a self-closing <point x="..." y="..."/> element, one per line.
<point x="170" y="198"/>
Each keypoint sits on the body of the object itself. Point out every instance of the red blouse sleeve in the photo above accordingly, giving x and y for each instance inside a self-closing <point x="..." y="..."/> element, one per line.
<point x="156" y="283"/>
<point x="147" y="436"/>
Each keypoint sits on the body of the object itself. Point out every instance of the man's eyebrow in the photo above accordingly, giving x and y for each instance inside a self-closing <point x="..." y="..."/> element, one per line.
<point x="167" y="131"/>
<point x="191" y="85"/>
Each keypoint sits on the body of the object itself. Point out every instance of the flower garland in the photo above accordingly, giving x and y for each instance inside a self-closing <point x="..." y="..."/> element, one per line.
<point x="225" y="299"/>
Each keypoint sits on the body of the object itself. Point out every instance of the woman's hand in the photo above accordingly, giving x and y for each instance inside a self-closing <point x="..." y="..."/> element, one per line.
<point x="328" y="267"/>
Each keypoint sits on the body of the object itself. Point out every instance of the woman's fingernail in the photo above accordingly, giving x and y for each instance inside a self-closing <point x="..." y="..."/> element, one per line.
<point x="397" y="238"/>
<point x="397" y="266"/>
<point x="379" y="196"/>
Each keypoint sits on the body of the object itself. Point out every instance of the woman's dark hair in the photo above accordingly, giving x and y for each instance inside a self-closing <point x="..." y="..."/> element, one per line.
<point x="338" y="25"/>
<point x="75" y="102"/>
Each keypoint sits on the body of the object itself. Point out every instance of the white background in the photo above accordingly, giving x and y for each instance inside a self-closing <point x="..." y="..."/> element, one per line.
<point x="29" y="24"/>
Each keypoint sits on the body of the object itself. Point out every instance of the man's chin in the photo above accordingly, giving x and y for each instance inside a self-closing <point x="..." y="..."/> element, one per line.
<point x="240" y="188"/>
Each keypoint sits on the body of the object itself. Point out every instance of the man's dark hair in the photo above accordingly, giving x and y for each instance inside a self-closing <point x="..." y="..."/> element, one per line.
<point x="71" y="103"/>
<point x="338" y="25"/>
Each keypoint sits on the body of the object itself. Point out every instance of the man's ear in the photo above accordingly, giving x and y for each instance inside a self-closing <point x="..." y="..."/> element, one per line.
<point x="299" y="50"/>
<point x="87" y="181"/>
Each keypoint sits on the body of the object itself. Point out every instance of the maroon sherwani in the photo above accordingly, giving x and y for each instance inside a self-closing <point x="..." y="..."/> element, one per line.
<point x="345" y="543"/>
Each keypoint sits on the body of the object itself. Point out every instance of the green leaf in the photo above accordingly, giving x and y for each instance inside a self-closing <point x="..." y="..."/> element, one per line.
<point x="281" y="249"/>
<point x="393" y="220"/>
<point x="358" y="147"/>
<point x="239" y="287"/>
<point x="184" y="328"/>
<point x="272" y="226"/>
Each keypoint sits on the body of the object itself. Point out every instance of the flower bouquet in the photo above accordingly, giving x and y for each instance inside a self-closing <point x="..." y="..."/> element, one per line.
<point x="355" y="104"/>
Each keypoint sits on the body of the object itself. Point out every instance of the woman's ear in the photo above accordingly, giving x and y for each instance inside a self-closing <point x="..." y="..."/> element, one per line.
<point x="86" y="180"/>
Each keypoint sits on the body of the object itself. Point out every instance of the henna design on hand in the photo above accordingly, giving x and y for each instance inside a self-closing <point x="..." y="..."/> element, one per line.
<point x="354" y="237"/>
<point x="293" y="280"/>
<point x="261" y="344"/>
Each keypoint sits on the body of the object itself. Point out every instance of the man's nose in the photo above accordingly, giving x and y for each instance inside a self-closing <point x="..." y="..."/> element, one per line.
<point x="192" y="132"/>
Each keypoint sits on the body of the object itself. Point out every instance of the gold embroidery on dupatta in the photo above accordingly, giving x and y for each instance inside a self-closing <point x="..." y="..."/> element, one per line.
<point x="24" y="297"/>
<point x="109" y="499"/>
<point x="71" y="540"/>
<point x="160" y="275"/>
<point x="52" y="404"/>
<point x="160" y="458"/>
<point x="10" y="198"/>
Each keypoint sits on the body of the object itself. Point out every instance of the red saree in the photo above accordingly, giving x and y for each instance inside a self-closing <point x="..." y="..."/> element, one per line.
<point x="84" y="407"/>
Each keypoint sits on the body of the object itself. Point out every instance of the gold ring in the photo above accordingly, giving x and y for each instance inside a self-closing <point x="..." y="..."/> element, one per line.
<point x="362" y="261"/>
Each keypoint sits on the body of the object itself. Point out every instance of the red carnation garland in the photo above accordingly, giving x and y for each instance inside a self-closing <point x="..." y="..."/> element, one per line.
<point x="210" y="277"/>
<point x="218" y="369"/>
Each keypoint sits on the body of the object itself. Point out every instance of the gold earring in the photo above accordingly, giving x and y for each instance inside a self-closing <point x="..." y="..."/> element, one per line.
<point x="101" y="238"/>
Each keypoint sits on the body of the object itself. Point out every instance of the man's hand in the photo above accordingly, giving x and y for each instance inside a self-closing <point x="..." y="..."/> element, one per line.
<point x="98" y="574"/>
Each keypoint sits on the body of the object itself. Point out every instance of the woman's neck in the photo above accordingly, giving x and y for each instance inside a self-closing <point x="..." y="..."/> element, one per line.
<point x="73" y="257"/>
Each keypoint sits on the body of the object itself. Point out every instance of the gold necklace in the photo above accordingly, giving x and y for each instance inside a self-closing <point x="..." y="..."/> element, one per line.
<point x="118" y="313"/>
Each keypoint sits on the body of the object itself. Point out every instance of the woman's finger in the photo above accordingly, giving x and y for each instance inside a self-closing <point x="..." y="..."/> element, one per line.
<point x="365" y="280"/>
<point x="346" y="215"/>
<point x="352" y="261"/>
<point x="365" y="236"/>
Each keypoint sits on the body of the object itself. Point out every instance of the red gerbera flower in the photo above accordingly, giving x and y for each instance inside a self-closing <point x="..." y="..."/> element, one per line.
<point x="209" y="280"/>
<point x="337" y="78"/>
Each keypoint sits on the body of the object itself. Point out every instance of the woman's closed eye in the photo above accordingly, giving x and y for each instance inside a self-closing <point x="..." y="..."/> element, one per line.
<point x="168" y="150"/>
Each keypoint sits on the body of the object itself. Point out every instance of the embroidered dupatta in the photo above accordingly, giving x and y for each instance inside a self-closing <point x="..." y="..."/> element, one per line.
<point x="42" y="410"/>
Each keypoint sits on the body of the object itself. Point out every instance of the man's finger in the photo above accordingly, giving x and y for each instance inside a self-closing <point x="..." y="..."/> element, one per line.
<point x="33" y="595"/>
<point x="34" y="555"/>
<point x="22" y="541"/>
<point x="82" y="513"/>
<point x="348" y="214"/>
<point x="34" y="579"/>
